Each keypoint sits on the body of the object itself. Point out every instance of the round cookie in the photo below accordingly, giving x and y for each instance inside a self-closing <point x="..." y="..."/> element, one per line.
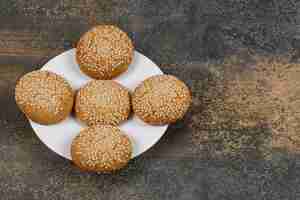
<point x="161" y="99"/>
<point x="44" y="97"/>
<point x="102" y="102"/>
<point x="101" y="148"/>
<point x="104" y="52"/>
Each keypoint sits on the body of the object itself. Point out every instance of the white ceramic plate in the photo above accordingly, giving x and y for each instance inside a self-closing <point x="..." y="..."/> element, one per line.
<point x="58" y="137"/>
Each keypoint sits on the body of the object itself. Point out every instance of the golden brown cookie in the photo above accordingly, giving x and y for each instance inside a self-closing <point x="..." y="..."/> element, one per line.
<point x="101" y="148"/>
<point x="102" y="102"/>
<point x="44" y="97"/>
<point x="161" y="99"/>
<point x="104" y="52"/>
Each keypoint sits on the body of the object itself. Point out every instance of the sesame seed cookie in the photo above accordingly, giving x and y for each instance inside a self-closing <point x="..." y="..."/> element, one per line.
<point x="102" y="148"/>
<point x="104" y="52"/>
<point x="161" y="99"/>
<point x="104" y="102"/>
<point x="44" y="97"/>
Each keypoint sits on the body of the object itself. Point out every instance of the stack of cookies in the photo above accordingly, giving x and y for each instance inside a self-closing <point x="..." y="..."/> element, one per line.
<point x="102" y="53"/>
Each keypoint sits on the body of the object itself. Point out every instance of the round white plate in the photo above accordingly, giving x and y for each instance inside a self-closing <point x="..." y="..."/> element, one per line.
<point x="58" y="137"/>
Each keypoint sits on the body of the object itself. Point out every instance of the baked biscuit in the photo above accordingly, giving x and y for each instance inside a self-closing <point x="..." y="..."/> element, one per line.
<point x="101" y="148"/>
<point x="104" y="52"/>
<point x="161" y="99"/>
<point x="44" y="97"/>
<point x="104" y="102"/>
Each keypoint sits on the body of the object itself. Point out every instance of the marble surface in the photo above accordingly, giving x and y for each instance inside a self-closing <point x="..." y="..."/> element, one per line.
<point x="181" y="37"/>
